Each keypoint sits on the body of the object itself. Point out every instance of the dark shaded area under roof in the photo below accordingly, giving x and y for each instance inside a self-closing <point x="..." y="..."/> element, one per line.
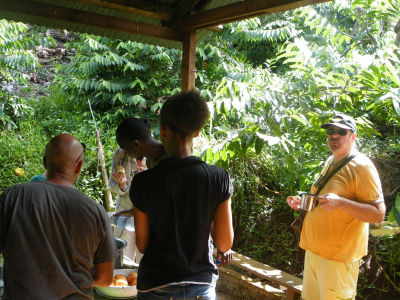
<point x="157" y="22"/>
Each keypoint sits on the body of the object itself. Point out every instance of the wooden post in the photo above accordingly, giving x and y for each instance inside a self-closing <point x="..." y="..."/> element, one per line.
<point x="100" y="153"/>
<point x="189" y="60"/>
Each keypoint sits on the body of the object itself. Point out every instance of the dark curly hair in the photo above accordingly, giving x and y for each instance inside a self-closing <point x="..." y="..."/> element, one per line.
<point x="185" y="113"/>
<point x="133" y="129"/>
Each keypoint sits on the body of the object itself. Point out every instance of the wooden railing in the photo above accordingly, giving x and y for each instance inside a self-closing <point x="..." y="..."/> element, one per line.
<point x="290" y="285"/>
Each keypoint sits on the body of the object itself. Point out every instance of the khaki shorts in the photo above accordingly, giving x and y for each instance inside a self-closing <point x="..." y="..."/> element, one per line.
<point x="329" y="280"/>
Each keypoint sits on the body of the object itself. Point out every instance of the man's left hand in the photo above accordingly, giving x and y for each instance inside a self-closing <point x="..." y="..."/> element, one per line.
<point x="330" y="201"/>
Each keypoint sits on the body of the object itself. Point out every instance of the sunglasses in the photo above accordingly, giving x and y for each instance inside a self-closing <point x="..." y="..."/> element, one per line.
<point x="340" y="131"/>
<point x="83" y="151"/>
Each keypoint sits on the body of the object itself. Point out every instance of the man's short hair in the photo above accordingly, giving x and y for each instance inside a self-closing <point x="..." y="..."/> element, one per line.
<point x="341" y="121"/>
<point x="185" y="113"/>
<point x="133" y="129"/>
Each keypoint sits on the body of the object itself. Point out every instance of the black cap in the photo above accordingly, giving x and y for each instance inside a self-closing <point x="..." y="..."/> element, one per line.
<point x="341" y="121"/>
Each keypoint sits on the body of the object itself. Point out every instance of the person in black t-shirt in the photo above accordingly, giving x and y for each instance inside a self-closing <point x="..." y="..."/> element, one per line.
<point x="136" y="145"/>
<point x="178" y="203"/>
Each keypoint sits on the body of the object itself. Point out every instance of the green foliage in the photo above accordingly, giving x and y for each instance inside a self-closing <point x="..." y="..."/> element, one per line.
<point x="120" y="78"/>
<point x="17" y="61"/>
<point x="15" y="54"/>
<point x="261" y="222"/>
<point x="379" y="273"/>
<point x="21" y="149"/>
<point x="394" y="214"/>
<point x="265" y="35"/>
<point x="13" y="108"/>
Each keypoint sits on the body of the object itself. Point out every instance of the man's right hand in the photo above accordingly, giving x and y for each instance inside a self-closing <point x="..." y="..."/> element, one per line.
<point x="294" y="202"/>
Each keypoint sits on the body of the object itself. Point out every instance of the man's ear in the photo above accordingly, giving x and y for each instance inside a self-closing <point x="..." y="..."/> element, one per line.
<point x="78" y="167"/>
<point x="135" y="143"/>
<point x="196" y="134"/>
<point x="353" y="137"/>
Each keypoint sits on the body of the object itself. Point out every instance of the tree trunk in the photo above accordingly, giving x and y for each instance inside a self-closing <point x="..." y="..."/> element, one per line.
<point x="100" y="155"/>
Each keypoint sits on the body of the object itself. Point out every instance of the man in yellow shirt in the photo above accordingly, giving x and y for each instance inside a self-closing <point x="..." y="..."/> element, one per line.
<point x="335" y="233"/>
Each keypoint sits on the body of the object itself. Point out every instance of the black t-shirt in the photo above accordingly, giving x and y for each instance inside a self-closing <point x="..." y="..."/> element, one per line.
<point x="51" y="236"/>
<point x="180" y="197"/>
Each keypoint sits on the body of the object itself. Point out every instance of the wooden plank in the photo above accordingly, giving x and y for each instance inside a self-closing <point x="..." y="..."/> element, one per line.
<point x="243" y="287"/>
<point x="120" y="6"/>
<point x="159" y="14"/>
<point x="145" y="5"/>
<point x="189" y="61"/>
<point x="292" y="283"/>
<point x="291" y="295"/>
<point x="185" y="7"/>
<point x="239" y="11"/>
<point x="91" y="19"/>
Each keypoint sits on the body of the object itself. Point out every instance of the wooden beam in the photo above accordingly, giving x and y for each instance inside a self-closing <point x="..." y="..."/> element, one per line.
<point x="185" y="7"/>
<point x="189" y="61"/>
<point x="87" y="18"/>
<point x="145" y="5"/>
<point x="239" y="11"/>
<point x="120" y="6"/>
<point x="165" y="15"/>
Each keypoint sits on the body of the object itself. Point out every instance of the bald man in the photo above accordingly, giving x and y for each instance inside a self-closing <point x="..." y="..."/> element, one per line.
<point x="52" y="236"/>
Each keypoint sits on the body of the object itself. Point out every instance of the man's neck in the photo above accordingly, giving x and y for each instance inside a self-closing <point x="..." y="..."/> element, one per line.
<point x="337" y="157"/>
<point x="61" y="180"/>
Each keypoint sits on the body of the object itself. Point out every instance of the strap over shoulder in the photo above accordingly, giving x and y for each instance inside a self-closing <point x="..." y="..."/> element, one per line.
<point x="321" y="183"/>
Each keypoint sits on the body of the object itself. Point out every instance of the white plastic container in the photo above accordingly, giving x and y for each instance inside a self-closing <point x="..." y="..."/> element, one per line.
<point x="122" y="221"/>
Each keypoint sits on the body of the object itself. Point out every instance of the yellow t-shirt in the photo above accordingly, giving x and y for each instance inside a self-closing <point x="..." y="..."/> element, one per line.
<point x="335" y="235"/>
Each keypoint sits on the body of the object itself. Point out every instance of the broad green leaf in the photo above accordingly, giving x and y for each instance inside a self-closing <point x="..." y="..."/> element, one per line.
<point x="300" y="118"/>
<point x="271" y="140"/>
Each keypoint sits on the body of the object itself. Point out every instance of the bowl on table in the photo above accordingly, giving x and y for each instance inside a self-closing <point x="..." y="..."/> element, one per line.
<point x="118" y="292"/>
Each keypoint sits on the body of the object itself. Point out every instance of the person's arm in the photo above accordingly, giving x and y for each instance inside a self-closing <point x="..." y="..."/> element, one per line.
<point x="104" y="274"/>
<point x="104" y="254"/>
<point x="118" y="182"/>
<point x="223" y="258"/>
<point x="222" y="231"/>
<point x="366" y="212"/>
<point x="142" y="230"/>
<point x="126" y="212"/>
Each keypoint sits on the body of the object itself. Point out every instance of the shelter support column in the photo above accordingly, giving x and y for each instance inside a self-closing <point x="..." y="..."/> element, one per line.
<point x="189" y="60"/>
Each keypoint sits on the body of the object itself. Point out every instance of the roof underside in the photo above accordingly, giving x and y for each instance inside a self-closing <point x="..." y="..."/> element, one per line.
<point x="157" y="22"/>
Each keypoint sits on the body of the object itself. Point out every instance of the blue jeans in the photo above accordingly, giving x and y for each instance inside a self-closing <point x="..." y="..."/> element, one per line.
<point x="180" y="292"/>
